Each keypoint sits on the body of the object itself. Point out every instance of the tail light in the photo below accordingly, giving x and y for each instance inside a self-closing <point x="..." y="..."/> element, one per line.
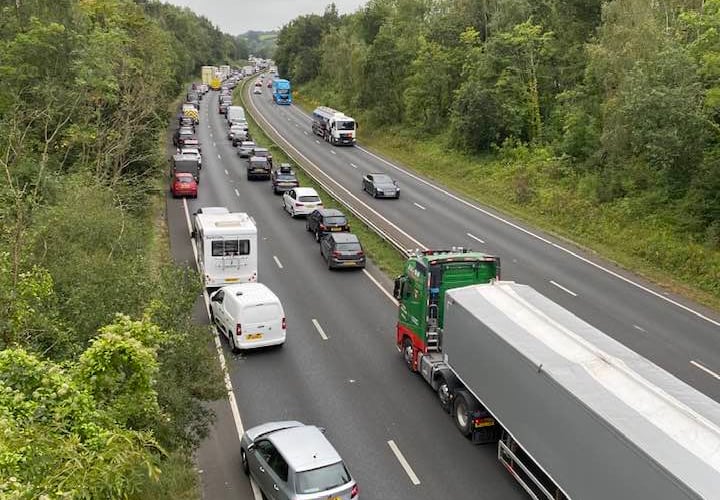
<point x="360" y="253"/>
<point x="298" y="204"/>
<point x="238" y="329"/>
<point x="284" y="324"/>
<point x="336" y="253"/>
<point x="355" y="491"/>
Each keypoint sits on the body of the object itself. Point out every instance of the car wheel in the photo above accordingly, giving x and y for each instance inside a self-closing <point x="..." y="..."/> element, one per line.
<point x="375" y="193"/>
<point x="243" y="459"/>
<point x="233" y="347"/>
<point x="292" y="212"/>
<point x="329" y="264"/>
<point x="408" y="353"/>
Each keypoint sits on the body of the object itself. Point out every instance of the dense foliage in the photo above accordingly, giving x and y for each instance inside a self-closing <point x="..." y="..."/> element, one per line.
<point x="259" y="43"/>
<point x="619" y="99"/>
<point x="102" y="373"/>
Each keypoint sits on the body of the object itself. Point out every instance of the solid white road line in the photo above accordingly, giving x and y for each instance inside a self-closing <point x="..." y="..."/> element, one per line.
<point x="475" y="238"/>
<point x="382" y="288"/>
<point x="237" y="193"/>
<point x="419" y="206"/>
<point x="226" y="172"/>
<point x="404" y="463"/>
<point x="705" y="369"/>
<point x="353" y="165"/>
<point x="319" y="329"/>
<point x="221" y="358"/>
<point x="277" y="261"/>
<point x="564" y="289"/>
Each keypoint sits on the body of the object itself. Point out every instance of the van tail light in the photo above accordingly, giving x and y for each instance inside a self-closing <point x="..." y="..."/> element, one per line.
<point x="336" y="254"/>
<point x="355" y="491"/>
<point x="238" y="329"/>
<point x="284" y="324"/>
<point x="298" y="204"/>
<point x="322" y="227"/>
<point x="360" y="253"/>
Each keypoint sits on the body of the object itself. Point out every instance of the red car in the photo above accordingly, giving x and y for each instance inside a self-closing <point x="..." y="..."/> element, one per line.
<point x="184" y="184"/>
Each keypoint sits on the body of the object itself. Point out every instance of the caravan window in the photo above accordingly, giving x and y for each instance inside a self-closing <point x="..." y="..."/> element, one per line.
<point x="222" y="248"/>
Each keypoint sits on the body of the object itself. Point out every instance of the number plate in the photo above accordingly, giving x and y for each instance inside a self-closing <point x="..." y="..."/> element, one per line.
<point x="231" y="280"/>
<point x="254" y="336"/>
<point x="335" y="229"/>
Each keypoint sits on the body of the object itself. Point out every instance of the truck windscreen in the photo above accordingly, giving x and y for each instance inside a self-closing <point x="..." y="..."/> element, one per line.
<point x="346" y="125"/>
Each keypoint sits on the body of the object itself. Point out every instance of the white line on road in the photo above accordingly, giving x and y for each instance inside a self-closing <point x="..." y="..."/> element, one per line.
<point x="475" y="238"/>
<point x="226" y="172"/>
<point x="640" y="328"/>
<point x="317" y="142"/>
<point x="333" y="152"/>
<point x="545" y="240"/>
<point x="353" y="165"/>
<point x="219" y="157"/>
<point x="277" y="261"/>
<point x="564" y="289"/>
<point x="382" y="288"/>
<point x="319" y="329"/>
<point x="214" y="144"/>
<point x="237" y="193"/>
<point x="419" y="206"/>
<point x="404" y="463"/>
<point x="705" y="369"/>
<point x="297" y="124"/>
<point x="305" y="132"/>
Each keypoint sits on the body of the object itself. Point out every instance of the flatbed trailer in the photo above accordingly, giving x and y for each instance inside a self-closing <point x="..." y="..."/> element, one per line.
<point x="578" y="415"/>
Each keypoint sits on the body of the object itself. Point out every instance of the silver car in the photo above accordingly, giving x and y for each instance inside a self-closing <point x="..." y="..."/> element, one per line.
<point x="245" y="149"/>
<point x="294" y="461"/>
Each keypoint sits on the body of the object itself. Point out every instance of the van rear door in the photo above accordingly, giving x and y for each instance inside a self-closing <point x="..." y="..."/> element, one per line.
<point x="263" y="322"/>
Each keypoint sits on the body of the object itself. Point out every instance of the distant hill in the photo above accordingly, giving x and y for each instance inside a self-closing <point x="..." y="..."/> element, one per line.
<point x="260" y="43"/>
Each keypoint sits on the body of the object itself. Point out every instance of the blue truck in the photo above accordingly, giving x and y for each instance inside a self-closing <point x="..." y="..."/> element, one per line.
<point x="281" y="91"/>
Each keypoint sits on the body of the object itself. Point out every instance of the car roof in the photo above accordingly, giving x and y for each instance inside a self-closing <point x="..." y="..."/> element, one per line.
<point x="344" y="238"/>
<point x="247" y="143"/>
<point x="184" y="174"/>
<point x="262" y="159"/>
<point x="305" y="191"/>
<point x="380" y="174"/>
<point x="213" y="210"/>
<point x="304" y="448"/>
<point x="330" y="212"/>
<point x="262" y="149"/>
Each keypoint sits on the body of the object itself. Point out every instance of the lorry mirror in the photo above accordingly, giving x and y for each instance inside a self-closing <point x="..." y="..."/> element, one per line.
<point x="399" y="288"/>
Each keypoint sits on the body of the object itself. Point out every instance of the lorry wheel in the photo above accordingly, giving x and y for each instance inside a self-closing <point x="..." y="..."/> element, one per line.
<point x="464" y="405"/>
<point x="444" y="395"/>
<point x="408" y="354"/>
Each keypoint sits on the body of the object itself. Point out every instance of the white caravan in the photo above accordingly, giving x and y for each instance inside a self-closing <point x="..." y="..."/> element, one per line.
<point x="227" y="247"/>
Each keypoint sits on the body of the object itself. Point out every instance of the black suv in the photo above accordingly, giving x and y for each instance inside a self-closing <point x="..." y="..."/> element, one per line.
<point x="258" y="167"/>
<point x="283" y="178"/>
<point x="342" y="250"/>
<point x="326" y="220"/>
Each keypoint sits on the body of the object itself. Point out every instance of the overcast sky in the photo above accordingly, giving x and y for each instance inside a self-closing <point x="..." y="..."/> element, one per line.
<point x="238" y="16"/>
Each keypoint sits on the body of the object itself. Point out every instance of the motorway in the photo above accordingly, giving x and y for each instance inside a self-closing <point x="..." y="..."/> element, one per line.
<point x="339" y="368"/>
<point x="681" y="336"/>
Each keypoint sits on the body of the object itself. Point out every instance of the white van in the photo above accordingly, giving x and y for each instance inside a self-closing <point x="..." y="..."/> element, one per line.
<point x="249" y="314"/>
<point x="235" y="114"/>
<point x="226" y="246"/>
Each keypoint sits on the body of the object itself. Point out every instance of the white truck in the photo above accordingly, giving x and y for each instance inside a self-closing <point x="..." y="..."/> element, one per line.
<point x="248" y="71"/>
<point x="227" y="248"/>
<point x="334" y="126"/>
<point x="576" y="414"/>
<point x="224" y="71"/>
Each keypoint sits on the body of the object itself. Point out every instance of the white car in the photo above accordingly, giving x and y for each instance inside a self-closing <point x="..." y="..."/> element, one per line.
<point x="257" y="90"/>
<point x="236" y="130"/>
<point x="192" y="152"/>
<point x="301" y="201"/>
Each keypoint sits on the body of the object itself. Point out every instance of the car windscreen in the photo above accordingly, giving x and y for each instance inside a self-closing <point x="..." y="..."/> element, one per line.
<point x="286" y="177"/>
<point x="225" y="248"/>
<point x="184" y="180"/>
<point x="261" y="313"/>
<point x="309" y="199"/>
<point x="349" y="247"/>
<point x="322" y="479"/>
<point x="336" y="220"/>
<point x="260" y="152"/>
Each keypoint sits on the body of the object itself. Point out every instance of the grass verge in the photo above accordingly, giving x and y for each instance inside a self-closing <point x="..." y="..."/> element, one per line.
<point x="382" y="254"/>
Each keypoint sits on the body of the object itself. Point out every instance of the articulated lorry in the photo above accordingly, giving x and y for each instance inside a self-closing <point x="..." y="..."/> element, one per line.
<point x="281" y="91"/>
<point x="333" y="126"/>
<point x="575" y="414"/>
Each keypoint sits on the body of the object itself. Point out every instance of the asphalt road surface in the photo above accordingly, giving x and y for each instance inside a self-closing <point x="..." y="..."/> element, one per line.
<point x="681" y="336"/>
<point x="339" y="368"/>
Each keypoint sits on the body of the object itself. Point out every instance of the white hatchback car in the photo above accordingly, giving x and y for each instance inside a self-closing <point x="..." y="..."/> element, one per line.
<point x="301" y="201"/>
<point x="194" y="153"/>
